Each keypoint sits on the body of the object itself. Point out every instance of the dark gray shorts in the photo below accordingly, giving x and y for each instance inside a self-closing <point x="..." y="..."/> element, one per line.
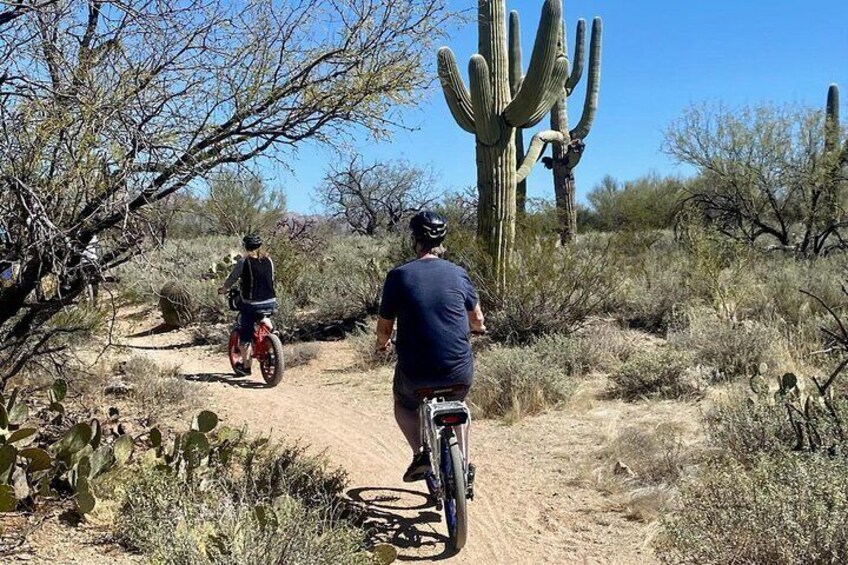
<point x="405" y="390"/>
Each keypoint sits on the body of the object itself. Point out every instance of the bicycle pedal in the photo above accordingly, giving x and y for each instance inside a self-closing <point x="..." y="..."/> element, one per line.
<point x="469" y="490"/>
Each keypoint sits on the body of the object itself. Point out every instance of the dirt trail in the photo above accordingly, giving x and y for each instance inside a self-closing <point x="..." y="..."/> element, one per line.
<point x="528" y="508"/>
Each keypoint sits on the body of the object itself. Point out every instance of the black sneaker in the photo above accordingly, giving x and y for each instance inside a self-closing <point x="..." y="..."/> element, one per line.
<point x="417" y="470"/>
<point x="241" y="370"/>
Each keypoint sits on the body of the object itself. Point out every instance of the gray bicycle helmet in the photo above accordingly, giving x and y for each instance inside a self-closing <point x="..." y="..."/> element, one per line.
<point x="252" y="241"/>
<point x="429" y="227"/>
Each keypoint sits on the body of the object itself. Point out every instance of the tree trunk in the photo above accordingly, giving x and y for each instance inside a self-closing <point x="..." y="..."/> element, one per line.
<point x="566" y="206"/>
<point x="496" y="187"/>
<point x="563" y="175"/>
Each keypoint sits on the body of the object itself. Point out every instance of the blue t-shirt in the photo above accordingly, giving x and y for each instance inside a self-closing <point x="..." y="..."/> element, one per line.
<point x="430" y="299"/>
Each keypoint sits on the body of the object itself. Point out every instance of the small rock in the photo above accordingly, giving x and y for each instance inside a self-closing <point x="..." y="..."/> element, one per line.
<point x="621" y="469"/>
<point x="119" y="388"/>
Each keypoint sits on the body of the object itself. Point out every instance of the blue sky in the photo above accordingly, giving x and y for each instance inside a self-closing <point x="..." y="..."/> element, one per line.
<point x="659" y="56"/>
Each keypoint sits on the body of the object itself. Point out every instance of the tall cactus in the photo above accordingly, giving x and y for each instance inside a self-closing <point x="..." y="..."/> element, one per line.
<point x="498" y="104"/>
<point x="567" y="155"/>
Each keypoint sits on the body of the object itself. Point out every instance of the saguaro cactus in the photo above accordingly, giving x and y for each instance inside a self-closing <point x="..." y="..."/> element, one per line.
<point x="567" y="155"/>
<point x="498" y="104"/>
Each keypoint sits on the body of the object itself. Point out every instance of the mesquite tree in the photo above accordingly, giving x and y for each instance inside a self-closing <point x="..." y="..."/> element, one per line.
<point x="107" y="108"/>
<point x="496" y="106"/>
<point x="769" y="175"/>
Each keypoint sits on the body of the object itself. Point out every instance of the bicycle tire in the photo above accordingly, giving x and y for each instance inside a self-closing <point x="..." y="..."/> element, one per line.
<point x="456" y="502"/>
<point x="272" y="364"/>
<point x="234" y="349"/>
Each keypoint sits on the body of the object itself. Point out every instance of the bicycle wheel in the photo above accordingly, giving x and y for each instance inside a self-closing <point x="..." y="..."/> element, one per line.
<point x="234" y="349"/>
<point x="272" y="360"/>
<point x="456" y="503"/>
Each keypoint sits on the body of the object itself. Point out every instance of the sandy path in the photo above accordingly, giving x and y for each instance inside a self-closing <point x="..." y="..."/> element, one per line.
<point x="527" y="508"/>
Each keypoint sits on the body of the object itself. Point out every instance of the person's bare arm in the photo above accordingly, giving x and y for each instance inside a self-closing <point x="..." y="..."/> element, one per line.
<point x="384" y="333"/>
<point x="476" y="320"/>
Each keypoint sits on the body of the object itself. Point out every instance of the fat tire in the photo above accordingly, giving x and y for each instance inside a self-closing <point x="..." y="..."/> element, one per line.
<point x="457" y="470"/>
<point x="276" y="346"/>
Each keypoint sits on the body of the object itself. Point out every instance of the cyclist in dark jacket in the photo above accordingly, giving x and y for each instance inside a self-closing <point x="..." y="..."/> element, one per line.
<point x="255" y="270"/>
<point x="435" y="305"/>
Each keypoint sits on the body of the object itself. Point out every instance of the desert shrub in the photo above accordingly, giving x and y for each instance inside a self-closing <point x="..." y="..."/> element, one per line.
<point x="598" y="347"/>
<point x="654" y="287"/>
<point x="274" y="507"/>
<point x="349" y="280"/>
<point x="301" y="354"/>
<point x="549" y="289"/>
<point x="730" y="348"/>
<point x="158" y="389"/>
<point x="655" y="373"/>
<point x="744" y="429"/>
<point x="788" y="509"/>
<point x="647" y="203"/>
<point x="367" y="358"/>
<point x="189" y="262"/>
<point x="513" y="382"/>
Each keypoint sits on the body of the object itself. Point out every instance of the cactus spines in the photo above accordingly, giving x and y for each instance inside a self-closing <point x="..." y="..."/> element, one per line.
<point x="176" y="305"/>
<point x="567" y="155"/>
<point x="498" y="104"/>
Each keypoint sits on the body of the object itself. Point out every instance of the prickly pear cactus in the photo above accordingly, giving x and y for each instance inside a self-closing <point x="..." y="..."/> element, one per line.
<point x="176" y="305"/>
<point x="814" y="417"/>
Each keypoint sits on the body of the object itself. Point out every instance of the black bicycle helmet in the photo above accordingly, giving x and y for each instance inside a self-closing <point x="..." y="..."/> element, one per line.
<point x="252" y="241"/>
<point x="429" y="227"/>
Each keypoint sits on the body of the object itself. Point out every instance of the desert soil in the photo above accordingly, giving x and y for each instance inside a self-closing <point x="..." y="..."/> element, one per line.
<point x="532" y="504"/>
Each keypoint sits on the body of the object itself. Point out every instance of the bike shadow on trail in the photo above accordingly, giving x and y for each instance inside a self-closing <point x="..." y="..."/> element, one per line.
<point x="227" y="379"/>
<point x="403" y="518"/>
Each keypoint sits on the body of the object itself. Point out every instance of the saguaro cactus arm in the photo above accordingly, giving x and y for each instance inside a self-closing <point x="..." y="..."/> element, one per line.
<point x="488" y="130"/>
<point x="590" y="106"/>
<point x="456" y="95"/>
<point x="515" y="69"/>
<point x="831" y="124"/>
<point x="537" y="147"/>
<point x="578" y="58"/>
<point x="546" y="74"/>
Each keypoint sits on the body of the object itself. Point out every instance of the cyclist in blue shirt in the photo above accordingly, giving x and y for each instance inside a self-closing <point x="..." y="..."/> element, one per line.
<point x="435" y="306"/>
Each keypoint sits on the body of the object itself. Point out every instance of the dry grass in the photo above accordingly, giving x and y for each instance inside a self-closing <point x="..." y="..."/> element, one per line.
<point x="366" y="357"/>
<point x="640" y="466"/>
<point x="156" y="390"/>
<point x="301" y="354"/>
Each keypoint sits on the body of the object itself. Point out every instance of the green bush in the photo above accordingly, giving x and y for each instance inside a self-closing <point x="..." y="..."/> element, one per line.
<point x="260" y="504"/>
<point x="348" y="281"/>
<point x="513" y="382"/>
<point x="549" y="289"/>
<point x="787" y="509"/>
<point x="598" y="347"/>
<point x="226" y="523"/>
<point x="647" y="203"/>
<point x="744" y="429"/>
<point x="655" y="373"/>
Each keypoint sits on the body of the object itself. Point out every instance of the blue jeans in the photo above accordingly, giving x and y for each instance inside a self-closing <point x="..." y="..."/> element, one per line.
<point x="249" y="315"/>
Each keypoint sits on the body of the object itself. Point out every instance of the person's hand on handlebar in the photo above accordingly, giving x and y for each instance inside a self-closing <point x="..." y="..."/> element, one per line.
<point x="222" y="290"/>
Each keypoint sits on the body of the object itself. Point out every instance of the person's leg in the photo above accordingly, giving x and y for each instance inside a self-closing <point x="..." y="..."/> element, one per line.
<point x="406" y="411"/>
<point x="246" y="328"/>
<point x="409" y="424"/>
